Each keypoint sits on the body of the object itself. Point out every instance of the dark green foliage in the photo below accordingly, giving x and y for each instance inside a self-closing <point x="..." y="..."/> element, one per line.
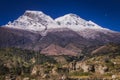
<point x="71" y="58"/>
<point x="40" y="59"/>
<point x="25" y="55"/>
<point x="3" y="70"/>
<point x="111" y="50"/>
<point x="17" y="61"/>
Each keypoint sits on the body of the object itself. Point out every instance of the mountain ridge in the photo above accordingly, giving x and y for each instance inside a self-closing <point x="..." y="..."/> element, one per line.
<point x="37" y="31"/>
<point x="35" y="20"/>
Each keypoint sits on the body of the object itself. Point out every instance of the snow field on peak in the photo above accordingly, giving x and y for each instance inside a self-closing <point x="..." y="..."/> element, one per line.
<point x="40" y="22"/>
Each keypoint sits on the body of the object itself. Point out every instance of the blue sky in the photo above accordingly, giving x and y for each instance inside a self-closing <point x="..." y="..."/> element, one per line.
<point x="105" y="13"/>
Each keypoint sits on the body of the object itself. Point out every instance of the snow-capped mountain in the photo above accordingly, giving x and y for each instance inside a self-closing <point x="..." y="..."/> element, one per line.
<point x="38" y="21"/>
<point x="84" y="28"/>
<point x="70" y="19"/>
<point x="76" y="21"/>
<point x="67" y="34"/>
<point x="34" y="21"/>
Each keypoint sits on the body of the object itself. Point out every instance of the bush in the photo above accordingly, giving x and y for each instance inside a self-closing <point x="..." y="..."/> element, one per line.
<point x="76" y="73"/>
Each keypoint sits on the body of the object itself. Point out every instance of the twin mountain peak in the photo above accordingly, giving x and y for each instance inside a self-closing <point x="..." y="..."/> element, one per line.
<point x="68" y="35"/>
<point x="38" y="21"/>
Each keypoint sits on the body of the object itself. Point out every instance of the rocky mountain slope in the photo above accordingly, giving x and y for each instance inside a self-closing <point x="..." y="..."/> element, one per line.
<point x="38" y="31"/>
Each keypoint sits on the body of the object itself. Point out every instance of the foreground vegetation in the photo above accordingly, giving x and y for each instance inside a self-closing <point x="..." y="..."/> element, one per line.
<point x="18" y="64"/>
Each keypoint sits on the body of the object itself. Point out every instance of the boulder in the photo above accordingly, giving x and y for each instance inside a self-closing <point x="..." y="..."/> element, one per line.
<point x="34" y="70"/>
<point x="86" y="68"/>
<point x="37" y="70"/>
<point x="26" y="78"/>
<point x="54" y="71"/>
<point x="45" y="76"/>
<point x="113" y="77"/>
<point x="102" y="69"/>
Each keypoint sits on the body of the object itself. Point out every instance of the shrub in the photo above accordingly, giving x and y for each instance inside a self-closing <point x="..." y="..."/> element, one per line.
<point x="76" y="73"/>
